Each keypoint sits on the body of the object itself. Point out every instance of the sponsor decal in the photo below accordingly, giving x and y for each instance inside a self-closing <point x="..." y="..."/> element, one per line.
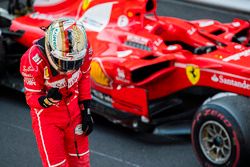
<point x="53" y="35"/>
<point x="46" y="73"/>
<point x="57" y="84"/>
<point x="182" y="65"/>
<point x="191" y="31"/>
<point x="122" y="21"/>
<point x="29" y="69"/>
<point x="137" y="39"/>
<point x="121" y="75"/>
<point x="193" y="73"/>
<point x="90" y="51"/>
<point x="101" y="96"/>
<point x="73" y="79"/>
<point x="30" y="81"/>
<point x="149" y="27"/>
<point x="158" y="42"/>
<point x="78" y="129"/>
<point x="237" y="56"/>
<point x="218" y="115"/>
<point x="37" y="59"/>
<point x="63" y="83"/>
<point x="24" y="74"/>
<point x="231" y="82"/>
<point x="26" y="71"/>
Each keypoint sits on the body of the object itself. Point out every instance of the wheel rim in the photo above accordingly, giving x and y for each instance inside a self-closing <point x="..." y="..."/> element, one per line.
<point x="215" y="142"/>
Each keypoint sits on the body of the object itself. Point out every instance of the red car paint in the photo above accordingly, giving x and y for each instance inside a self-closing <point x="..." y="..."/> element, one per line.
<point x="142" y="57"/>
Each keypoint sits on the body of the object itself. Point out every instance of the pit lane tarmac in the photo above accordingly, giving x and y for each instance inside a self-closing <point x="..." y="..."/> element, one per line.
<point x="110" y="145"/>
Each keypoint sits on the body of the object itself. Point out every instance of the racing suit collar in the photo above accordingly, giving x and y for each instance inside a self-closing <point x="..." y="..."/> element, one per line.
<point x="54" y="72"/>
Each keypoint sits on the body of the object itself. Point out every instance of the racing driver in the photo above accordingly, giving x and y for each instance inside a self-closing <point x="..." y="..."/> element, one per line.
<point x="57" y="89"/>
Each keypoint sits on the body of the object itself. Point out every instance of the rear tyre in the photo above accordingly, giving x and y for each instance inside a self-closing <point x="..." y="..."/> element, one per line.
<point x="220" y="131"/>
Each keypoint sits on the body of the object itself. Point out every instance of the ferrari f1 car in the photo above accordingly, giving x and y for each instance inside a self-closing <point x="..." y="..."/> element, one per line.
<point x="154" y="73"/>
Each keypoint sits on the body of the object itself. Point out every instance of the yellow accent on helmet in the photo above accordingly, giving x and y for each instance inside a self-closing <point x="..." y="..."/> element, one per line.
<point x="86" y="4"/>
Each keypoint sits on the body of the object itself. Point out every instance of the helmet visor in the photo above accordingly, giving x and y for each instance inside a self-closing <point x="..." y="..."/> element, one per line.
<point x="69" y="62"/>
<point x="65" y="66"/>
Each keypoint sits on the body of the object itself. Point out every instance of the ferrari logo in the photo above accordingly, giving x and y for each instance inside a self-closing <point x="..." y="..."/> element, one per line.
<point x="193" y="73"/>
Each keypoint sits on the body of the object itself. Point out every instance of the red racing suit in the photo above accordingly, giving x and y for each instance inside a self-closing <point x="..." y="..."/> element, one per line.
<point x="57" y="129"/>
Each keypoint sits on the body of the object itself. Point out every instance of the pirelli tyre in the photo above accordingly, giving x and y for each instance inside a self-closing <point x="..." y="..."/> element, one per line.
<point x="221" y="131"/>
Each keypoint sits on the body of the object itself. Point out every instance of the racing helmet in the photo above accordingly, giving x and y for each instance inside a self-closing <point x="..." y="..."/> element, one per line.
<point x="66" y="44"/>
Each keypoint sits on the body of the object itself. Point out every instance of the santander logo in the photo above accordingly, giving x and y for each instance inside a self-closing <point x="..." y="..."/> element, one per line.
<point x="228" y="81"/>
<point x="215" y="78"/>
<point x="63" y="83"/>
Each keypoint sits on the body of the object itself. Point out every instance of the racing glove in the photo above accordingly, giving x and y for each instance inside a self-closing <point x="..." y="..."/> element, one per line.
<point x="53" y="96"/>
<point x="87" y="120"/>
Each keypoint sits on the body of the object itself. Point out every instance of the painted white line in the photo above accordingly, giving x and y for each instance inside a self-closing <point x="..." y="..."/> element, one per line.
<point x="16" y="127"/>
<point x="115" y="158"/>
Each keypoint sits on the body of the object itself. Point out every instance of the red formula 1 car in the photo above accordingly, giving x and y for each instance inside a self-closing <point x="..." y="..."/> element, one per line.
<point x="153" y="73"/>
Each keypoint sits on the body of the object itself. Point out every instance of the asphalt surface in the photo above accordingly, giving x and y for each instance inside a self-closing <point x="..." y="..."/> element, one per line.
<point x="111" y="145"/>
<point x="191" y="11"/>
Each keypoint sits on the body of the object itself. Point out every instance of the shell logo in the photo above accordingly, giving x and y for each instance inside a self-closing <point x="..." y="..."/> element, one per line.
<point x="98" y="75"/>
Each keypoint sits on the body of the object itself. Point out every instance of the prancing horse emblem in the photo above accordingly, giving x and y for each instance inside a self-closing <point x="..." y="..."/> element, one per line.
<point x="193" y="73"/>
